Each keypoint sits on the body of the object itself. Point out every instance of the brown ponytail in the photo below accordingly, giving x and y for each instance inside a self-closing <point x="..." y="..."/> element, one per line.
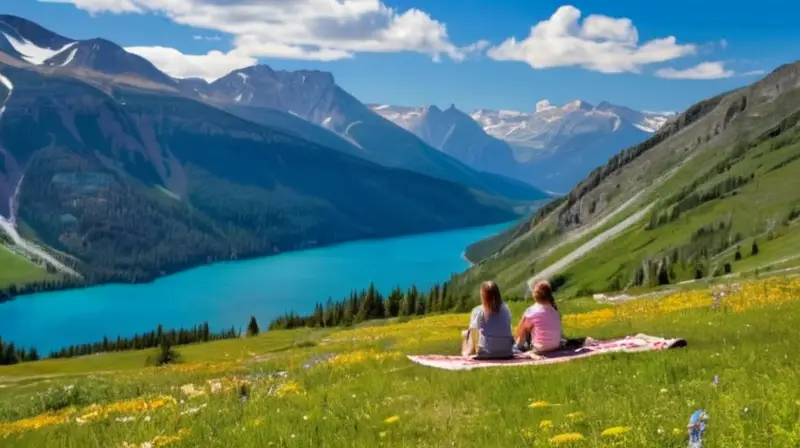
<point x="490" y="298"/>
<point x="543" y="292"/>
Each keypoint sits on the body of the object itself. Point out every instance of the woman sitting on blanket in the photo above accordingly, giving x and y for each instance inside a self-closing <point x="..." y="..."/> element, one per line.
<point x="490" y="324"/>
<point x="540" y="327"/>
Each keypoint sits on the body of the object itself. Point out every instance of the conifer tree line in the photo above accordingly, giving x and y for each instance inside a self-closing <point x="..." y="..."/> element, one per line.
<point x="155" y="338"/>
<point x="9" y="354"/>
<point x="370" y="304"/>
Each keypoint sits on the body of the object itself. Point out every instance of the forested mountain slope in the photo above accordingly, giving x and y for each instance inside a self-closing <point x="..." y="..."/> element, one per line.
<point x="130" y="183"/>
<point x="709" y="184"/>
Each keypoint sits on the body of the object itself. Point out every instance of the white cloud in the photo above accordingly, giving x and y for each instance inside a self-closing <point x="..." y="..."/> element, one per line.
<point x="704" y="70"/>
<point x="210" y="38"/>
<point x="297" y="29"/>
<point x="600" y="43"/>
<point x="754" y="73"/>
<point x="209" y="66"/>
<point x="723" y="43"/>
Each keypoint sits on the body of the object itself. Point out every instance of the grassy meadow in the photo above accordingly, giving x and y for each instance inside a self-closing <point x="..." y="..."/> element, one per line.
<point x="18" y="270"/>
<point x="354" y="387"/>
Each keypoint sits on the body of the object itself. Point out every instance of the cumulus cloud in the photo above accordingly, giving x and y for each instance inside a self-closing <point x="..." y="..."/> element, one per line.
<point x="599" y="43"/>
<point x="704" y="70"/>
<point x="209" y="66"/>
<point x="298" y="29"/>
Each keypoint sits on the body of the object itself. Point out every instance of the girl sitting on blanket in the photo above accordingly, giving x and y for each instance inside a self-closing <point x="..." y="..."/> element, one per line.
<point x="490" y="327"/>
<point x="540" y="327"/>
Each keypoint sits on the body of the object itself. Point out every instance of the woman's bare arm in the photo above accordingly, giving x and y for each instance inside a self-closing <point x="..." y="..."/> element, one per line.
<point x="522" y="331"/>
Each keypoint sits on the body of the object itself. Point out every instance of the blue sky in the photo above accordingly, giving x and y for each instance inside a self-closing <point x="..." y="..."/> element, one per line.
<point x="413" y="52"/>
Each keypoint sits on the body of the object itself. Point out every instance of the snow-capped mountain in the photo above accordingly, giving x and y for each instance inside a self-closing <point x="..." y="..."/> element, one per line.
<point x="539" y="129"/>
<point x="552" y="147"/>
<point x="560" y="145"/>
<point x="259" y="92"/>
<point x="456" y="134"/>
<point x="33" y="44"/>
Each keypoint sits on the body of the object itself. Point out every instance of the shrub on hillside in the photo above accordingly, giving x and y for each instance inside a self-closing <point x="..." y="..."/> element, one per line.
<point x="166" y="355"/>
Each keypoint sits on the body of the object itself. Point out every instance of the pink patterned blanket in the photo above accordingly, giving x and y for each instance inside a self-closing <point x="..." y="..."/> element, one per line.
<point x="628" y="344"/>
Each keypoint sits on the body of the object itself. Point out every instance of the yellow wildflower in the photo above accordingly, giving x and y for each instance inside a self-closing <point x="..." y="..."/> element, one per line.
<point x="159" y="441"/>
<point x="567" y="438"/>
<point x="545" y="424"/>
<point x="257" y="422"/>
<point x="575" y="415"/>
<point x="676" y="431"/>
<point x="539" y="404"/>
<point x="33" y="423"/>
<point x="288" y="389"/>
<point x="360" y="356"/>
<point x="392" y="419"/>
<point x="615" y="431"/>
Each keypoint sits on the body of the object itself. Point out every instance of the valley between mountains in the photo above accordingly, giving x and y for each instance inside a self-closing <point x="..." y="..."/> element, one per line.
<point x="112" y="171"/>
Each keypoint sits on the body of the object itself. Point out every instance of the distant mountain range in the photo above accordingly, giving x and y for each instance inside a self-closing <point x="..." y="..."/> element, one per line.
<point x="551" y="147"/>
<point x="129" y="174"/>
<point x="711" y="197"/>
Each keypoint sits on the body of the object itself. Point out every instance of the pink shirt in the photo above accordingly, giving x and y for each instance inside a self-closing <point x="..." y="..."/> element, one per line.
<point x="545" y="323"/>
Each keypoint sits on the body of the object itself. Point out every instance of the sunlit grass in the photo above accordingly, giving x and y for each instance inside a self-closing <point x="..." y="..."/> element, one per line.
<point x="354" y="387"/>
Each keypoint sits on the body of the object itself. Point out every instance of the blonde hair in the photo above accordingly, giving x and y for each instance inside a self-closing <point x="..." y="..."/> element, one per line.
<point x="543" y="292"/>
<point x="490" y="297"/>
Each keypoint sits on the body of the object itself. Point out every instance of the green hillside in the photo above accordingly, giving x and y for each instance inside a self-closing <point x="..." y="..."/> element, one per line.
<point x="720" y="177"/>
<point x="17" y="270"/>
<point x="355" y="388"/>
<point x="93" y="185"/>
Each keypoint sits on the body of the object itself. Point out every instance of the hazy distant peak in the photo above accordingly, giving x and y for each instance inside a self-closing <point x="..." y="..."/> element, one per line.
<point x="543" y="105"/>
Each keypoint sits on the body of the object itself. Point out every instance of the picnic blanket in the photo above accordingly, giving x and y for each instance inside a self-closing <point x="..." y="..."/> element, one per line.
<point x="628" y="344"/>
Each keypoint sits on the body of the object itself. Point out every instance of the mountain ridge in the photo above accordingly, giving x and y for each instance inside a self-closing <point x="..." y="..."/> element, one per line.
<point x="551" y="148"/>
<point x="124" y="177"/>
<point x="710" y="183"/>
<point x="314" y="96"/>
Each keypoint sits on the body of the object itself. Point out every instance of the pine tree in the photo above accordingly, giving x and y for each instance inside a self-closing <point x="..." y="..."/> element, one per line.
<point x="754" y="249"/>
<point x="318" y="319"/>
<point x="252" y="327"/>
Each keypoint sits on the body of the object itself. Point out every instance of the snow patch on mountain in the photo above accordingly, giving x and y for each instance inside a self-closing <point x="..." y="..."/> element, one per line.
<point x="10" y="87"/>
<point x="6" y="82"/>
<point x="70" y="57"/>
<point x="33" y="53"/>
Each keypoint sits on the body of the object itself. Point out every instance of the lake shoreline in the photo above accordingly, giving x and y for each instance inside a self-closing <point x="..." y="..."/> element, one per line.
<point x="225" y="294"/>
<point x="72" y="285"/>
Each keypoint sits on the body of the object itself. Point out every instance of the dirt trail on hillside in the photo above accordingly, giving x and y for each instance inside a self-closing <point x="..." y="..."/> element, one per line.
<point x="604" y="237"/>
<point x="589" y="245"/>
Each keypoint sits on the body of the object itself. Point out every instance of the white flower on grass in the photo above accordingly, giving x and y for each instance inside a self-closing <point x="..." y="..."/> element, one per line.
<point x="216" y="387"/>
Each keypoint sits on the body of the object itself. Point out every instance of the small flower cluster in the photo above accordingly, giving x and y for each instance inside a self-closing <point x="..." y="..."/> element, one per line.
<point x="161" y="440"/>
<point x="361" y="356"/>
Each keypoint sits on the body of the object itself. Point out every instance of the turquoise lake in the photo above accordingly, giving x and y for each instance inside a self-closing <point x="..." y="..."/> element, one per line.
<point x="226" y="294"/>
